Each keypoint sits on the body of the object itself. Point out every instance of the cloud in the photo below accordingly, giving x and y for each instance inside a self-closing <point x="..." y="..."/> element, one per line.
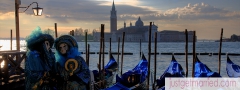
<point x="88" y="10"/>
<point x="66" y="11"/>
<point x="8" y="15"/>
<point x="7" y="6"/>
<point x="196" y="12"/>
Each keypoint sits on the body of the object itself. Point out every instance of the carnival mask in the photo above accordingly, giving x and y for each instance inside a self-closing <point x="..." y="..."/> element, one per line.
<point x="63" y="47"/>
<point x="47" y="44"/>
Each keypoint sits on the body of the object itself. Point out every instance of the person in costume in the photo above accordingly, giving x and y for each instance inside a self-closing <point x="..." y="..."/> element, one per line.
<point x="40" y="61"/>
<point x="71" y="67"/>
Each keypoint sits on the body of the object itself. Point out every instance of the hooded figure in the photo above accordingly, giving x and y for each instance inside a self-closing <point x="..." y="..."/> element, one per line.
<point x="40" y="61"/>
<point x="71" y="67"/>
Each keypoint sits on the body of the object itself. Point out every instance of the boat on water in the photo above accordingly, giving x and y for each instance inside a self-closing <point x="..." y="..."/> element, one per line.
<point x="174" y="70"/>
<point x="201" y="70"/>
<point x="233" y="70"/>
<point x="110" y="70"/>
<point x="134" y="79"/>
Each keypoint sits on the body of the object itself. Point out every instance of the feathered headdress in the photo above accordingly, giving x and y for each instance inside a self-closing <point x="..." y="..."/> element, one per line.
<point x="37" y="37"/>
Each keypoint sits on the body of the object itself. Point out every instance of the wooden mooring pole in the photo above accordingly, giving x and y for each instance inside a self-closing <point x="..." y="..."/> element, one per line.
<point x="55" y="25"/>
<point x="140" y="52"/>
<point x="149" y="51"/>
<point x="87" y="54"/>
<point x="118" y="52"/>
<point x="155" y="60"/>
<point x="110" y="48"/>
<point x="186" y="51"/>
<point x="220" y="51"/>
<point x="122" y="51"/>
<point x="86" y="43"/>
<point x="103" y="56"/>
<point x="11" y="40"/>
<point x="194" y="53"/>
<point x="100" y="51"/>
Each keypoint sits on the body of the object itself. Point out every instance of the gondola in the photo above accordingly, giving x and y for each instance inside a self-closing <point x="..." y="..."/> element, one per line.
<point x="110" y="70"/>
<point x="201" y="70"/>
<point x="134" y="79"/>
<point x="233" y="70"/>
<point x="173" y="70"/>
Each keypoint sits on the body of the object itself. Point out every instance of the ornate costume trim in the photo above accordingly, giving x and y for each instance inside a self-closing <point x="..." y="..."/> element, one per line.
<point x="71" y="65"/>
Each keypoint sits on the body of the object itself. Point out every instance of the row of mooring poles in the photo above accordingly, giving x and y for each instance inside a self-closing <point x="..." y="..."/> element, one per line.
<point x="102" y="44"/>
<point x="194" y="52"/>
<point x="186" y="54"/>
<point x="149" y="52"/>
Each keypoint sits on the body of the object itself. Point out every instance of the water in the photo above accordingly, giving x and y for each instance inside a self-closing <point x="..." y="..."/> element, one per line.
<point x="130" y="61"/>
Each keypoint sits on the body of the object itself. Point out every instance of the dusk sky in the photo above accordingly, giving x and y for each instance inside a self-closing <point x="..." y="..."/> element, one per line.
<point x="206" y="17"/>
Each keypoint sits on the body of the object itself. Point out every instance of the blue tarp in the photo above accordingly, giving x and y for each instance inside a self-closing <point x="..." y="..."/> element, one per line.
<point x="132" y="77"/>
<point x="201" y="70"/>
<point x="173" y="70"/>
<point x="233" y="70"/>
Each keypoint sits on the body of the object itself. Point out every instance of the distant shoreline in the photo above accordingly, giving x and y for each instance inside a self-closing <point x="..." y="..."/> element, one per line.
<point x="126" y="41"/>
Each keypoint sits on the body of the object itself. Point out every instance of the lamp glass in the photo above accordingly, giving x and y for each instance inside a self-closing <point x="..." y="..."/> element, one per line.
<point x="37" y="11"/>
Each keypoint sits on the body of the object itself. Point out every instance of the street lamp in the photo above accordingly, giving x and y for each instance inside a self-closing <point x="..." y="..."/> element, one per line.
<point x="37" y="12"/>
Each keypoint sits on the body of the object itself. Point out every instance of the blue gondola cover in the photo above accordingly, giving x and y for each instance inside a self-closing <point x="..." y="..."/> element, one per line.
<point x="173" y="70"/>
<point x="201" y="70"/>
<point x="233" y="70"/>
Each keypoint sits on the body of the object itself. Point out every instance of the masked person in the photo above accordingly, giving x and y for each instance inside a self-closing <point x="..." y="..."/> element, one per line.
<point x="40" y="61"/>
<point x="71" y="67"/>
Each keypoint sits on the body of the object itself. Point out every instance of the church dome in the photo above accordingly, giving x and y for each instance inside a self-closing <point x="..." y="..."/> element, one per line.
<point x="139" y="22"/>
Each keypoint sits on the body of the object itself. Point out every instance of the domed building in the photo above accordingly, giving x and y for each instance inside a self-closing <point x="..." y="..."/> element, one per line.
<point x="137" y="32"/>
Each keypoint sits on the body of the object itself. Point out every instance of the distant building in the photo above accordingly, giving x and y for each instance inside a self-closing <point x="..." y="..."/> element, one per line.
<point x="139" y="31"/>
<point x="233" y="38"/>
<point x="175" y="36"/>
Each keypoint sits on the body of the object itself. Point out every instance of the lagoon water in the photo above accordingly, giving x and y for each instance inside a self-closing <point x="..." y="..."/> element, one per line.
<point x="129" y="61"/>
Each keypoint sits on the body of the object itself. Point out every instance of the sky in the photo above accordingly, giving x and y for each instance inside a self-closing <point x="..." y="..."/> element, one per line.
<point x="206" y="17"/>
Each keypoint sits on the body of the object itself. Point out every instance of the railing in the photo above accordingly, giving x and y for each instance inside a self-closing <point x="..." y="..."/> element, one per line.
<point x="12" y="72"/>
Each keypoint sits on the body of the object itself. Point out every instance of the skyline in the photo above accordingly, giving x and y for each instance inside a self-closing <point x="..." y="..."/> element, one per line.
<point x="206" y="17"/>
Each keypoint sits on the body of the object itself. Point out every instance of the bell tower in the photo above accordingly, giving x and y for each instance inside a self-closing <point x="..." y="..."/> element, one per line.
<point x="113" y="19"/>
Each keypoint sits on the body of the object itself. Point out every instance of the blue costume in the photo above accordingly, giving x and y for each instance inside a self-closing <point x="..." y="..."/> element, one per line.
<point x="71" y="67"/>
<point x="40" y="61"/>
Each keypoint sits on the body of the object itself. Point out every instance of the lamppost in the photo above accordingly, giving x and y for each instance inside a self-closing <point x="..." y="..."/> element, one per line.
<point x="37" y="12"/>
